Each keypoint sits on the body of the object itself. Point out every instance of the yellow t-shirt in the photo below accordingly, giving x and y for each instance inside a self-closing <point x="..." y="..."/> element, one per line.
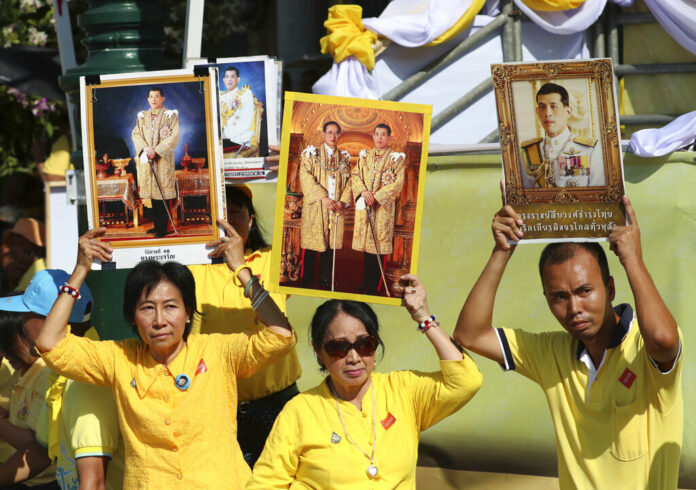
<point x="58" y="162"/>
<point x="25" y="405"/>
<point x="308" y="448"/>
<point x="88" y="426"/>
<point x="226" y="310"/>
<point x="175" y="438"/>
<point x="8" y="380"/>
<point x="626" y="427"/>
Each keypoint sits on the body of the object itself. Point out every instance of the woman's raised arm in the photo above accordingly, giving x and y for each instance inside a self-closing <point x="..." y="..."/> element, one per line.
<point x="89" y="247"/>
<point x="417" y="306"/>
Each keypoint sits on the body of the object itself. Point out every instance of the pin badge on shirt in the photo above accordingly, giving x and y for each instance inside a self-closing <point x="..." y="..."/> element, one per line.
<point x="201" y="367"/>
<point x="182" y="382"/>
<point x="335" y="438"/>
<point x="388" y="421"/>
<point x="132" y="383"/>
<point x="627" y="378"/>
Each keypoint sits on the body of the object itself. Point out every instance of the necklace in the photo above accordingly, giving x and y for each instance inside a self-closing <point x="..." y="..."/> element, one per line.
<point x="371" y="469"/>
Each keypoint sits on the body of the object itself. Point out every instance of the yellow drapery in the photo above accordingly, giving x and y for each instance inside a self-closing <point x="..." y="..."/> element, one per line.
<point x="347" y="36"/>
<point x="553" y="5"/>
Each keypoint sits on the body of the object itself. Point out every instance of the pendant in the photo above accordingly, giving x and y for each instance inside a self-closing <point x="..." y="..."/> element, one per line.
<point x="372" y="470"/>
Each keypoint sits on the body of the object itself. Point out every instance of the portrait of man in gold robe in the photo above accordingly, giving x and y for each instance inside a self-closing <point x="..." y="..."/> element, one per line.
<point x="376" y="181"/>
<point x="155" y="136"/>
<point x="325" y="180"/>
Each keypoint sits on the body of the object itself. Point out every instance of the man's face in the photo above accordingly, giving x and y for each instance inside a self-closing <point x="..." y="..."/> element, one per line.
<point x="231" y="79"/>
<point x="577" y="295"/>
<point x="552" y="114"/>
<point x="155" y="99"/>
<point x="381" y="138"/>
<point x="331" y="135"/>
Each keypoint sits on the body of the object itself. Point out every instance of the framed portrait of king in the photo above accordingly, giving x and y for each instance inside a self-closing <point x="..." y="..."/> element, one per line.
<point x="560" y="145"/>
<point x="248" y="92"/>
<point x="350" y="197"/>
<point x="152" y="168"/>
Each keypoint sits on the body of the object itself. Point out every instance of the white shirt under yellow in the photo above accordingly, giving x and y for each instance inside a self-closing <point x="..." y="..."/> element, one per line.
<point x="308" y="447"/>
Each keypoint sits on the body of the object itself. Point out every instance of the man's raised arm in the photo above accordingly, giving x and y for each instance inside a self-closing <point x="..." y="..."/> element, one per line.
<point x="474" y="328"/>
<point x="657" y="325"/>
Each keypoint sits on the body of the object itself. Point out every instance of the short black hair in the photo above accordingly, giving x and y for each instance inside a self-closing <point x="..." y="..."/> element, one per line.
<point x="383" y="126"/>
<point x="557" y="253"/>
<point x="329" y="123"/>
<point x="11" y="333"/>
<point x="148" y="274"/>
<point x="156" y="89"/>
<point x="232" y="68"/>
<point x="235" y="196"/>
<point x="554" y="88"/>
<point x="328" y="310"/>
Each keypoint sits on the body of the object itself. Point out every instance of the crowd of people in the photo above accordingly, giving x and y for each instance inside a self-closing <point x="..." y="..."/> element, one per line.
<point x="205" y="394"/>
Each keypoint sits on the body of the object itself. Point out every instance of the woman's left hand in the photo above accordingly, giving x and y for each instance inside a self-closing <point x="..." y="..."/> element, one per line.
<point x="414" y="298"/>
<point x="230" y="247"/>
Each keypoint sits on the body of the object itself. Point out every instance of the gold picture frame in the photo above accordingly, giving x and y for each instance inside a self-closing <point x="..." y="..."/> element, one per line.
<point x="573" y="191"/>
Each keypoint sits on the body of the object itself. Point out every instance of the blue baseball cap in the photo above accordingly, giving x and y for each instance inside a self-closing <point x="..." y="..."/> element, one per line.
<point x="42" y="292"/>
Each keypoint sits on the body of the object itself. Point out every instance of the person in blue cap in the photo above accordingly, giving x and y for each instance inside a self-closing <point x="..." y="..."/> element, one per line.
<point x="68" y="407"/>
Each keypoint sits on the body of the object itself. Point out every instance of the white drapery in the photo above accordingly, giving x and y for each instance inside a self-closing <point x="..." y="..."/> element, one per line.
<point x="410" y="23"/>
<point x="657" y="142"/>
<point x="678" y="18"/>
<point x="566" y="21"/>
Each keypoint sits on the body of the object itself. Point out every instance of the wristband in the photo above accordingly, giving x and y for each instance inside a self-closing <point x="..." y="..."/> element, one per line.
<point x="235" y="280"/>
<point x="67" y="289"/>
<point x="427" y="324"/>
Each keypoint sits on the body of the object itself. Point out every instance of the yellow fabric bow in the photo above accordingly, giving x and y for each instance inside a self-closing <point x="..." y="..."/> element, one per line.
<point x="347" y="36"/>
<point x="553" y="5"/>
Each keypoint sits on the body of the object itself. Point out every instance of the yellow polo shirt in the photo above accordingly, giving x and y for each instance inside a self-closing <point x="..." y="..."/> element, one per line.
<point x="226" y="310"/>
<point x="308" y="447"/>
<point x="8" y="380"/>
<point x="175" y="438"/>
<point x="626" y="426"/>
<point x="25" y="405"/>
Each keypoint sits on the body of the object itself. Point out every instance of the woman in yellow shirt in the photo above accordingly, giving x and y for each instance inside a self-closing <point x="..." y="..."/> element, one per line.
<point x="176" y="394"/>
<point x="225" y="309"/>
<point x="360" y="429"/>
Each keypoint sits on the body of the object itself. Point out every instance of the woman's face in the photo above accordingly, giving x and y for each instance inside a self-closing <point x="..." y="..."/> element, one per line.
<point x="239" y="218"/>
<point x="352" y="370"/>
<point x="161" y="317"/>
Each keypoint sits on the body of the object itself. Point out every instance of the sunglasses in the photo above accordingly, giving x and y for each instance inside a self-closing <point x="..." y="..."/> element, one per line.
<point x="364" y="346"/>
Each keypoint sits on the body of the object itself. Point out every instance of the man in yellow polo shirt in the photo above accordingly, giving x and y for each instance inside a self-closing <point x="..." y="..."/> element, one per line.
<point x="613" y="384"/>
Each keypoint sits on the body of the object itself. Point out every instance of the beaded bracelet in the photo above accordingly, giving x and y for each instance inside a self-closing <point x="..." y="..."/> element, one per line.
<point x="427" y="324"/>
<point x="235" y="279"/>
<point x="68" y="289"/>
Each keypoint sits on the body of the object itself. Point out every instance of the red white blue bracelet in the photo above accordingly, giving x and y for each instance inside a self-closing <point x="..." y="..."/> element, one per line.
<point x="68" y="289"/>
<point x="427" y="324"/>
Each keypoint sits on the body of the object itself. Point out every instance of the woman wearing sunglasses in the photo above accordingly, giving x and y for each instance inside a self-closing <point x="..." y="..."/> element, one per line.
<point x="359" y="427"/>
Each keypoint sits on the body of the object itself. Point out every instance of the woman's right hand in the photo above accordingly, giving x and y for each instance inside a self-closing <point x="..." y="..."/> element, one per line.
<point x="230" y="247"/>
<point x="90" y="247"/>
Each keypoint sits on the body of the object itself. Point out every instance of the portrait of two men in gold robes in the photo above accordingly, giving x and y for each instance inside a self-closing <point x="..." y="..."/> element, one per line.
<point x="351" y="194"/>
